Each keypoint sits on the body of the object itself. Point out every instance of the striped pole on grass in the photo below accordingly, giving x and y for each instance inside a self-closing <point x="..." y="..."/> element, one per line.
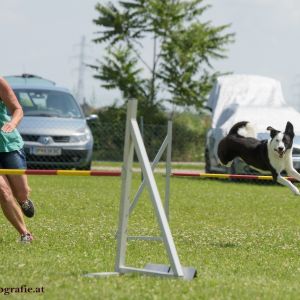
<point x="225" y="176"/>
<point x="58" y="172"/>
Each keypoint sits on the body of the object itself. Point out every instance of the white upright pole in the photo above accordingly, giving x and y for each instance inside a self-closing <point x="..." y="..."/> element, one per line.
<point x="125" y="190"/>
<point x="168" y="169"/>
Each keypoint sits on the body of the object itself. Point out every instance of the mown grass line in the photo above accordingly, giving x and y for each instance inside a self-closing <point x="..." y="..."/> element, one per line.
<point x="175" y="165"/>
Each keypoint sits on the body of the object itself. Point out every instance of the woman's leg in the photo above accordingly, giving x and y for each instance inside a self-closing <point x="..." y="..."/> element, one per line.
<point x="19" y="186"/>
<point x="20" y="189"/>
<point x="18" y="183"/>
<point x="10" y="208"/>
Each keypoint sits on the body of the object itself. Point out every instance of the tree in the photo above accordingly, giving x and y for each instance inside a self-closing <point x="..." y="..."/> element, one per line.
<point x="180" y="71"/>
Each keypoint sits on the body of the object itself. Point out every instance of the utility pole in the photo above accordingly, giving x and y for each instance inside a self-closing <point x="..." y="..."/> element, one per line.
<point x="81" y="71"/>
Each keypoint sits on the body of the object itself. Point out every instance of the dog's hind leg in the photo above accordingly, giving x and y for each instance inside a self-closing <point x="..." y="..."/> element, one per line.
<point x="287" y="183"/>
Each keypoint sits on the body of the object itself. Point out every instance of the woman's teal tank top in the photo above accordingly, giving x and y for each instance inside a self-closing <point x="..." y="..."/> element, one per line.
<point x="9" y="141"/>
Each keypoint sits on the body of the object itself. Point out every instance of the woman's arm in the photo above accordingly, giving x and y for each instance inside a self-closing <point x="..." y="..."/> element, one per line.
<point x="9" y="98"/>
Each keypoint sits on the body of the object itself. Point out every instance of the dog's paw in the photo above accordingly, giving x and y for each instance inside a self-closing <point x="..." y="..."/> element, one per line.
<point x="296" y="192"/>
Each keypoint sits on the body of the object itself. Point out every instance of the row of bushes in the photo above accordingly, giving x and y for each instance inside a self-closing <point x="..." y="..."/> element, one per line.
<point x="188" y="135"/>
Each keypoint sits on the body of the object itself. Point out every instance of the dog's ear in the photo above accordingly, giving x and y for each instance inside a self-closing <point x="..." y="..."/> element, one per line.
<point x="273" y="132"/>
<point x="289" y="129"/>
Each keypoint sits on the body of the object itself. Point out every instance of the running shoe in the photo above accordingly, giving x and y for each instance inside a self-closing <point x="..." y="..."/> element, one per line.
<point x="27" y="208"/>
<point x="26" y="238"/>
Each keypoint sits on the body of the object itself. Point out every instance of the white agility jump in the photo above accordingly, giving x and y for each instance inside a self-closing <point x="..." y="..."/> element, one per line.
<point x="134" y="142"/>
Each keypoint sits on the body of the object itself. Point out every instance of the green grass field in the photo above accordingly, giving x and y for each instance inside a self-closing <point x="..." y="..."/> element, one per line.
<point x="244" y="240"/>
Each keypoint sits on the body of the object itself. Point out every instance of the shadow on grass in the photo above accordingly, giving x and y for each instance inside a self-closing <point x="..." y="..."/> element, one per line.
<point x="233" y="180"/>
<point x="224" y="245"/>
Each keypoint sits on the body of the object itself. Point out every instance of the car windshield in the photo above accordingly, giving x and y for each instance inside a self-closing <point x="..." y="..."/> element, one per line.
<point x="48" y="103"/>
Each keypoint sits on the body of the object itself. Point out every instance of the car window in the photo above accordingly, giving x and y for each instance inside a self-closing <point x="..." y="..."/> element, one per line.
<point x="48" y="103"/>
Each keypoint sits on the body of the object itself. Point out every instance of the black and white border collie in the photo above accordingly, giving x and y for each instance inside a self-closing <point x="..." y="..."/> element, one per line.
<point x="274" y="155"/>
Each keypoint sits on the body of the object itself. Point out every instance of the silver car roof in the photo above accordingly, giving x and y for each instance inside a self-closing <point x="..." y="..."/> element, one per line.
<point x="28" y="81"/>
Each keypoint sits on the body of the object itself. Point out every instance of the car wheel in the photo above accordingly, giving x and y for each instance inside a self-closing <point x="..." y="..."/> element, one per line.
<point x="207" y="162"/>
<point x="232" y="168"/>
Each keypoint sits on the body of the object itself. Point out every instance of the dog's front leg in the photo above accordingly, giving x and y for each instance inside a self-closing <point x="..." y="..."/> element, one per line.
<point x="293" y="173"/>
<point x="287" y="183"/>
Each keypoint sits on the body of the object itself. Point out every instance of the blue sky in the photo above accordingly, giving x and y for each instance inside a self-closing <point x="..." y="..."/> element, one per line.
<point x="43" y="37"/>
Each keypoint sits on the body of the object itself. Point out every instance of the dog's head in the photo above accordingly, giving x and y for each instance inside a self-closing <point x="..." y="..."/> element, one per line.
<point x="282" y="141"/>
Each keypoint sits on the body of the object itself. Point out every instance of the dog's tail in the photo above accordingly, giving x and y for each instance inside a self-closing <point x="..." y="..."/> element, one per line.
<point x="244" y="129"/>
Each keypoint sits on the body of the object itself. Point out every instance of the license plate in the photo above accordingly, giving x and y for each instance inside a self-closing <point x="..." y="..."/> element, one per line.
<point x="47" y="151"/>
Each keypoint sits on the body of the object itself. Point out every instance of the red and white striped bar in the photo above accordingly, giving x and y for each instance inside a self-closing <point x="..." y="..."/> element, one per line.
<point x="225" y="176"/>
<point x="59" y="172"/>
